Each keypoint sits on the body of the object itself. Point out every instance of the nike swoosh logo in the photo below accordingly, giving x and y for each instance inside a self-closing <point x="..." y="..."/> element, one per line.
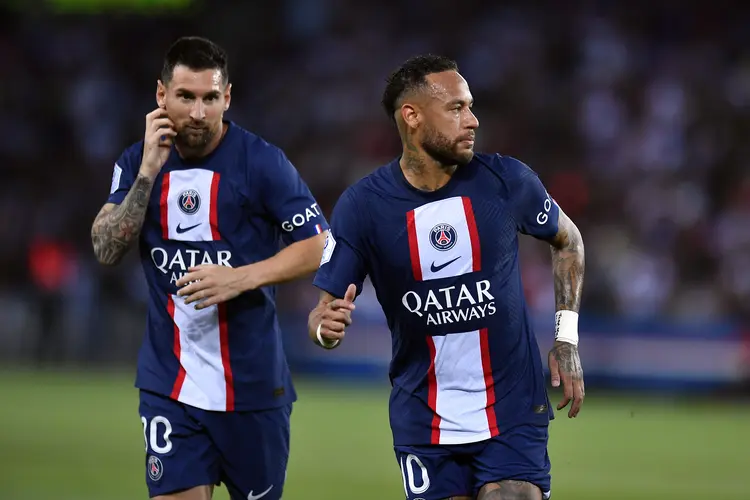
<point x="435" y="268"/>
<point x="250" y="495"/>
<point x="181" y="230"/>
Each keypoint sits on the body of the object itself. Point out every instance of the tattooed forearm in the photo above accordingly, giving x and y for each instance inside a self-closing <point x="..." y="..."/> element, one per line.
<point x="567" y="265"/>
<point x="117" y="227"/>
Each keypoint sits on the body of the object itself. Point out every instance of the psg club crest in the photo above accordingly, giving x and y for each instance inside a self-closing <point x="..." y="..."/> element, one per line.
<point x="443" y="237"/>
<point x="155" y="468"/>
<point x="190" y="201"/>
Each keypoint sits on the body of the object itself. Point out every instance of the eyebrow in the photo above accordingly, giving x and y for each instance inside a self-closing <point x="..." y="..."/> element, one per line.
<point x="460" y="101"/>
<point x="187" y="93"/>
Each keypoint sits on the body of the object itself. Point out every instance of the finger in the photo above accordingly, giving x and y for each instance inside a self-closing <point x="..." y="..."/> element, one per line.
<point x="162" y="123"/>
<point x="189" y="277"/>
<point x="196" y="296"/>
<point x="351" y="293"/>
<point x="340" y="315"/>
<point x="200" y="267"/>
<point x="193" y="283"/>
<point x="332" y="326"/>
<point x="200" y="291"/>
<point x="157" y="113"/>
<point x="330" y="331"/>
<point x="341" y="304"/>
<point x="567" y="384"/>
<point x="211" y="301"/>
<point x="554" y="370"/>
<point x="577" y="398"/>
<point x="166" y="134"/>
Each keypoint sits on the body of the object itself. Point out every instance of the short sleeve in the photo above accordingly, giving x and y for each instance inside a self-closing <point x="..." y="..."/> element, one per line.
<point x="123" y="177"/>
<point x="288" y="199"/>
<point x="534" y="210"/>
<point x="343" y="261"/>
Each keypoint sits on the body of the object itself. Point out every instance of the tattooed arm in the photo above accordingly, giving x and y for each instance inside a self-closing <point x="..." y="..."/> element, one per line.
<point x="568" y="268"/>
<point x="116" y="227"/>
<point x="567" y="264"/>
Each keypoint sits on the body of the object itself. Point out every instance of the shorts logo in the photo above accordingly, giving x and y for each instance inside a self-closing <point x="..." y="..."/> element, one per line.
<point x="190" y="201"/>
<point x="155" y="468"/>
<point x="443" y="237"/>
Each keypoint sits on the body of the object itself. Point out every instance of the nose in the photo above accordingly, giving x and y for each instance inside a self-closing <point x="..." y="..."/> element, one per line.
<point x="198" y="112"/>
<point x="472" y="122"/>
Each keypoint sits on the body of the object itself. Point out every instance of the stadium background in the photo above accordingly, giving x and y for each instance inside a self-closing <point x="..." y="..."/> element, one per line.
<point x="635" y="114"/>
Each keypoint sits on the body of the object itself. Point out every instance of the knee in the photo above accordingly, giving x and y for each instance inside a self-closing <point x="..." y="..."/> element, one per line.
<point x="510" y="490"/>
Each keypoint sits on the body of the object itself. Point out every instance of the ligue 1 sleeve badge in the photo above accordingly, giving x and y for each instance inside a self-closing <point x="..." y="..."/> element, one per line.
<point x="155" y="468"/>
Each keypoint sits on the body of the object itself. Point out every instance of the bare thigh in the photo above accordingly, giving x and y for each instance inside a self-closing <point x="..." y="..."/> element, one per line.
<point x="510" y="490"/>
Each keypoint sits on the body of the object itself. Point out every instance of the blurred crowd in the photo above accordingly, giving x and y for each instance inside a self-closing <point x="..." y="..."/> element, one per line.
<point x="634" y="115"/>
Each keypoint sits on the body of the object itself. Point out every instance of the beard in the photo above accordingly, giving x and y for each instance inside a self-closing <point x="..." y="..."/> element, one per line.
<point x="444" y="150"/>
<point x="195" y="138"/>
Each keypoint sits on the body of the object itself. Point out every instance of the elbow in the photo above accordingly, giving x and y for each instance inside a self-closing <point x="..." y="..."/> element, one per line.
<point x="105" y="255"/>
<point x="106" y="260"/>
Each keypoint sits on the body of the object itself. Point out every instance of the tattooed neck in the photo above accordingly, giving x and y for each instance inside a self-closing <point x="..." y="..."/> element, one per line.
<point x="422" y="171"/>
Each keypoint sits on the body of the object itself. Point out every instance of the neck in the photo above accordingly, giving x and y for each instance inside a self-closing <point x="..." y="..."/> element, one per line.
<point x="422" y="171"/>
<point x="186" y="152"/>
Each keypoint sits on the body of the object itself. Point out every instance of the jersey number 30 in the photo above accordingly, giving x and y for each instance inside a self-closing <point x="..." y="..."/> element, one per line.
<point x="151" y="434"/>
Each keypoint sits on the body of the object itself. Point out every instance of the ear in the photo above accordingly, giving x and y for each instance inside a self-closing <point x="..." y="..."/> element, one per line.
<point x="227" y="96"/>
<point x="410" y="114"/>
<point x="161" y="94"/>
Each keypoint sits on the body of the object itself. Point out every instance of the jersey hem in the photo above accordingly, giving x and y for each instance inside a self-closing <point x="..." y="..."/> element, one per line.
<point x="279" y="403"/>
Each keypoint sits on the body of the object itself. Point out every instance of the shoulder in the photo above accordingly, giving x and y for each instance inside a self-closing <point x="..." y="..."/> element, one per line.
<point x="379" y="181"/>
<point x="354" y="200"/>
<point x="506" y="171"/>
<point x="131" y="156"/>
<point x="507" y="167"/>
<point x="257" y="149"/>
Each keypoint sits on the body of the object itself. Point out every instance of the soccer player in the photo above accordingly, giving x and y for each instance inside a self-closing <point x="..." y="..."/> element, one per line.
<point x="209" y="204"/>
<point x="437" y="232"/>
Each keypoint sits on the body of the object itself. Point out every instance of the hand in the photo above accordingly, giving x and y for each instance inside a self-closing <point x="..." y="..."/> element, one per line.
<point x="565" y="365"/>
<point x="210" y="284"/>
<point x="332" y="317"/>
<point x="157" y="142"/>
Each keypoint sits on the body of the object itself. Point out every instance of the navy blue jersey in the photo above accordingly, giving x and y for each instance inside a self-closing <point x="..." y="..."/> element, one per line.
<point x="444" y="264"/>
<point x="232" y="208"/>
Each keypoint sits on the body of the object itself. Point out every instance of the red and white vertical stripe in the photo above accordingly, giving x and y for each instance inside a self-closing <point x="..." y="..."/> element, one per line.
<point x="201" y="346"/>
<point x="461" y="390"/>
<point x="458" y="213"/>
<point x="200" y="338"/>
<point x="177" y="223"/>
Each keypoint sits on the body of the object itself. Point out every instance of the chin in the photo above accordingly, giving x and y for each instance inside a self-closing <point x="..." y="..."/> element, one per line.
<point x="464" y="157"/>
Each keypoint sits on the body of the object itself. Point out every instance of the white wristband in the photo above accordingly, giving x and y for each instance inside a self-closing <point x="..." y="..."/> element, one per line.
<point x="323" y="343"/>
<point x="566" y="327"/>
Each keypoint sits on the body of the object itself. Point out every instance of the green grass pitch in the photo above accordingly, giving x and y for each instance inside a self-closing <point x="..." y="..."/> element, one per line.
<point x="67" y="436"/>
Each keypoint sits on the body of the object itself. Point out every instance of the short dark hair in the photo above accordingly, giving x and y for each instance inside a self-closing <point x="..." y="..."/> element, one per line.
<point x="196" y="53"/>
<point x="411" y="75"/>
